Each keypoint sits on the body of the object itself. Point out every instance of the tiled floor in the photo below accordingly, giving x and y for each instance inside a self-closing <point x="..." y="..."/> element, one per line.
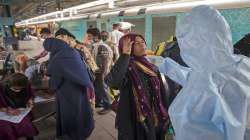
<point x="104" y="125"/>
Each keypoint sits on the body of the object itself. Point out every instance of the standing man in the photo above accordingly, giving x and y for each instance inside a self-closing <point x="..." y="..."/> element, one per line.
<point x="116" y="36"/>
<point x="45" y="33"/>
<point x="106" y="39"/>
<point x="103" y="56"/>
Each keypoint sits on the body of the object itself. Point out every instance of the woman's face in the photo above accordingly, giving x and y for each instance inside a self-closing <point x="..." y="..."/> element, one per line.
<point x="139" y="47"/>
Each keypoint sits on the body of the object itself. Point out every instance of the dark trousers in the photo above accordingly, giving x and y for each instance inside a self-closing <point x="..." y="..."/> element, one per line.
<point x="102" y="92"/>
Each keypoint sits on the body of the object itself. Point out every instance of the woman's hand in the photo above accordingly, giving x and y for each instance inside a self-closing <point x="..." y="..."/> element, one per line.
<point x="13" y="112"/>
<point x="3" y="109"/>
<point x="127" y="46"/>
<point x="30" y="103"/>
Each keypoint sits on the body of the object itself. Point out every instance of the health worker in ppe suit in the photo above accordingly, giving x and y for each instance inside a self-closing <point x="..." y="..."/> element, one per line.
<point x="214" y="103"/>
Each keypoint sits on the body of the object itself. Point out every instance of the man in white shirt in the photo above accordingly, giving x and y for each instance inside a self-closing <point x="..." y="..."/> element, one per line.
<point x="115" y="37"/>
<point x="116" y="34"/>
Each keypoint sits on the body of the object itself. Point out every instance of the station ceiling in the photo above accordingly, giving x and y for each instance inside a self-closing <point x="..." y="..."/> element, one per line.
<point x="24" y="9"/>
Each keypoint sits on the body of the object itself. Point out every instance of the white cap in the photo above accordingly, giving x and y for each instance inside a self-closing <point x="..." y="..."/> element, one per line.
<point x="126" y="25"/>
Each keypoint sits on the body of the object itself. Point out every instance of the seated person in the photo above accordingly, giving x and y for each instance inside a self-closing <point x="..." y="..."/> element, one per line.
<point x="16" y="93"/>
<point x="36" y="74"/>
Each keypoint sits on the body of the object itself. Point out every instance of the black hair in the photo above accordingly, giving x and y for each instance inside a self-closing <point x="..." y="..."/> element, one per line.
<point x="78" y="42"/>
<point x="63" y="31"/>
<point x="18" y="79"/>
<point x="2" y="48"/>
<point x="90" y="26"/>
<point x="45" y="31"/>
<point x="95" y="32"/>
<point x="174" y="39"/>
<point x="116" y="25"/>
<point x="105" y="32"/>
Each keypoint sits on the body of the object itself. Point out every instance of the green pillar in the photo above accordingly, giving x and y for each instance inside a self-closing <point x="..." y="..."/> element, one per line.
<point x="98" y="24"/>
<point x="148" y="31"/>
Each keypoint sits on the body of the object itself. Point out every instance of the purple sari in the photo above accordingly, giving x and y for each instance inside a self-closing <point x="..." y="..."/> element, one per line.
<point x="13" y="131"/>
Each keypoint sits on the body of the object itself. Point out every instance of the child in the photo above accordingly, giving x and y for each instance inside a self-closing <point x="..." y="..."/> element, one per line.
<point x="16" y="93"/>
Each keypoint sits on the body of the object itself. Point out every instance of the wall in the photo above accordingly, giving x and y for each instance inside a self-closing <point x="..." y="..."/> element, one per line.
<point x="239" y="21"/>
<point x="76" y="27"/>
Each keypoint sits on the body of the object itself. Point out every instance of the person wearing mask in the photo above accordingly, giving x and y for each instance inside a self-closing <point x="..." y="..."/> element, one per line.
<point x="106" y="39"/>
<point x="142" y="109"/>
<point x="69" y="79"/>
<point x="45" y="33"/>
<point x="87" y="59"/>
<point x="214" y="103"/>
<point x="16" y="93"/>
<point x="88" y="40"/>
<point x="116" y="34"/>
<point x="103" y="56"/>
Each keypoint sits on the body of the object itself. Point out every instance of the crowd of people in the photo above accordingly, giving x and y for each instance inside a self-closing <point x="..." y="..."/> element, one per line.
<point x="210" y="81"/>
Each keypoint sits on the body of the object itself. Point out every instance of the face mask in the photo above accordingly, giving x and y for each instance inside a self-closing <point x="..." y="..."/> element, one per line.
<point x="104" y="38"/>
<point x="15" y="90"/>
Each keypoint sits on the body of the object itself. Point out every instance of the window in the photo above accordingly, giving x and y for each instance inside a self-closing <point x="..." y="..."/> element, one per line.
<point x="103" y="27"/>
<point x="162" y="29"/>
<point x="3" y="11"/>
<point x="91" y="24"/>
<point x="139" y="25"/>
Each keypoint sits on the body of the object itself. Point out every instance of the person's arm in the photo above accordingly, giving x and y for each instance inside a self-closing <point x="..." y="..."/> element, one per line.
<point x="3" y="109"/>
<point x="174" y="71"/>
<point x="117" y="76"/>
<point x="41" y="55"/>
<point x="31" y="96"/>
<point x="29" y="72"/>
<point x="30" y="103"/>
